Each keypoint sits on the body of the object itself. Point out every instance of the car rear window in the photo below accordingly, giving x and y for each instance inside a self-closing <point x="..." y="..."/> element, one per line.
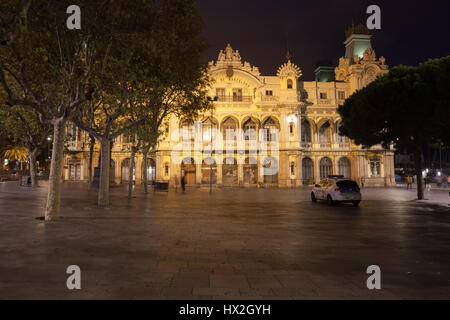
<point x="347" y="184"/>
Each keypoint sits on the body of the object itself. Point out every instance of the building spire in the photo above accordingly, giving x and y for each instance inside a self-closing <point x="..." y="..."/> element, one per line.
<point x="288" y="55"/>
<point x="288" y="52"/>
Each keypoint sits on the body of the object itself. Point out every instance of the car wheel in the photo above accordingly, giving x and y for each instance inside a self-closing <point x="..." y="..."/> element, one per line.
<point x="356" y="203"/>
<point x="313" y="197"/>
<point x="330" y="201"/>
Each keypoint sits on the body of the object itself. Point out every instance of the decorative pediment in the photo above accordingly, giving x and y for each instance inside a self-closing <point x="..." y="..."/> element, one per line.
<point x="369" y="55"/>
<point x="289" y="70"/>
<point x="231" y="60"/>
<point x="368" y="67"/>
<point x="229" y="55"/>
<point x="370" y="58"/>
<point x="342" y="72"/>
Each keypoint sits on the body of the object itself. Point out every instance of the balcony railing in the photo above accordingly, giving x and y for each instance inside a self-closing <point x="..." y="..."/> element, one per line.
<point x="343" y="145"/>
<point x="235" y="99"/>
<point x="325" y="145"/>
<point x="324" y="101"/>
<point x="269" y="99"/>
<point x="306" y="145"/>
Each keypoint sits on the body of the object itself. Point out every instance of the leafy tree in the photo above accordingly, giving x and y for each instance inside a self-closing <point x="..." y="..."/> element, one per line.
<point x="409" y="106"/>
<point x="25" y="130"/>
<point x="51" y="67"/>
<point x="13" y="22"/>
<point x="154" y="69"/>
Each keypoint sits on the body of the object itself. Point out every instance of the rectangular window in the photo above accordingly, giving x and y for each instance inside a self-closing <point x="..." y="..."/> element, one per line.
<point x="293" y="169"/>
<point x="323" y="96"/>
<point x="166" y="169"/>
<point x="269" y="93"/>
<point x="220" y="93"/>
<point x="237" y="94"/>
<point x="341" y="95"/>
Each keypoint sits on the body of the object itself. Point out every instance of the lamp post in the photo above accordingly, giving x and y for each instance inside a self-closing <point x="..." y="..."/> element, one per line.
<point x="210" y="99"/>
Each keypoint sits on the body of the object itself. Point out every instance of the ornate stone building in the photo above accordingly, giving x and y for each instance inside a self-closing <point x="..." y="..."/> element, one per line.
<point x="296" y="120"/>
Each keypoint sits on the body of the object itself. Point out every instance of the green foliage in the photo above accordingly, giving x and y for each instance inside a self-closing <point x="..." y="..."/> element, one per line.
<point x="154" y="69"/>
<point x="409" y="106"/>
<point x="49" y="63"/>
<point x="23" y="127"/>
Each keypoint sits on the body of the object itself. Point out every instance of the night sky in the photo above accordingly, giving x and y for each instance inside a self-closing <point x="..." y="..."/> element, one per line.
<point x="412" y="31"/>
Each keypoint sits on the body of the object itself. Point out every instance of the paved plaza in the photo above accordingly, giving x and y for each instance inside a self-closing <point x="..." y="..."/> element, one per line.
<point x="233" y="244"/>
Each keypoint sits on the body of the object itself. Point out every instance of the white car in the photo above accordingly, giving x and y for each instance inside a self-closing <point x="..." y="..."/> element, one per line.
<point x="337" y="190"/>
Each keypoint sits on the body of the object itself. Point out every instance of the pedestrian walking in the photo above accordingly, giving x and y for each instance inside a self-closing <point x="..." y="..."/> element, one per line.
<point x="183" y="183"/>
<point x="408" y="182"/>
<point x="445" y="182"/>
<point x="362" y="182"/>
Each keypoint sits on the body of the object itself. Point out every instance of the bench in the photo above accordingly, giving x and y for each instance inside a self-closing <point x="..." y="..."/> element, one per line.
<point x="162" y="186"/>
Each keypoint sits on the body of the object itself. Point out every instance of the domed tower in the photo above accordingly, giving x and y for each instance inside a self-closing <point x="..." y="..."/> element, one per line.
<point x="360" y="65"/>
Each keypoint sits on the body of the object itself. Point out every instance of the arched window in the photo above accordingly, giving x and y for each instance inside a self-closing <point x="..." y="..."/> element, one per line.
<point x="325" y="133"/>
<point x="126" y="170"/>
<point x="151" y="170"/>
<point x="229" y="172"/>
<point x="229" y="129"/>
<point x="326" y="168"/>
<point x="308" y="171"/>
<point x="344" y="167"/>
<point x="270" y="128"/>
<point x="290" y="84"/>
<point x="209" y="128"/>
<point x="208" y="175"/>
<point x="306" y="132"/>
<point x="250" y="129"/>
<point x="187" y="130"/>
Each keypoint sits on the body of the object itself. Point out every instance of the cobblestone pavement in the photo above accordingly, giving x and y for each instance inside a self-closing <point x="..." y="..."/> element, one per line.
<point x="233" y="244"/>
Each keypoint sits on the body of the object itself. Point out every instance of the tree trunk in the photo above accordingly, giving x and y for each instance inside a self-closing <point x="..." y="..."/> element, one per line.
<point x="144" y="171"/>
<point x="418" y="165"/>
<point x="33" y="170"/>
<point x="130" y="173"/>
<point x="91" y="155"/>
<point x="105" y="165"/>
<point x="56" y="166"/>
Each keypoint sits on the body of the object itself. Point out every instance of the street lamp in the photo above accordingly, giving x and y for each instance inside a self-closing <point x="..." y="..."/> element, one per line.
<point x="211" y="99"/>
<point x="49" y="140"/>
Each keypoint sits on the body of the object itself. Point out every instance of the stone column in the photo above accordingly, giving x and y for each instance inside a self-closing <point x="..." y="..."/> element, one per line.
<point x="240" y="174"/>
<point x="335" y="165"/>
<point x="299" y="170"/>
<point x="260" y="171"/>
<point x="284" y="170"/>
<point x="219" y="174"/>
<point x="316" y="169"/>
<point x="198" y="173"/>
<point x="159" y="167"/>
